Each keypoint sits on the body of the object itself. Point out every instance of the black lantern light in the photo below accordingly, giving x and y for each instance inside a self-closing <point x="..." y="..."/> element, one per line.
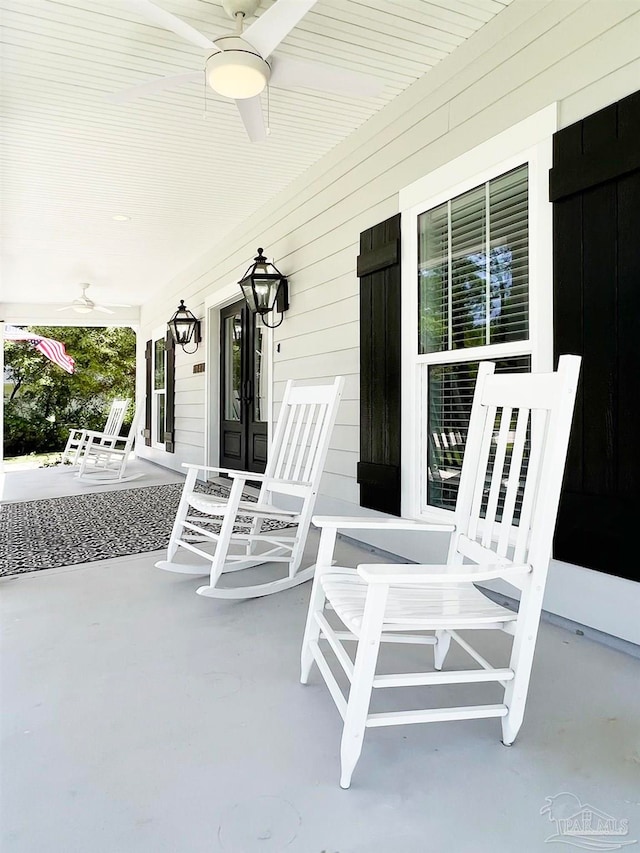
<point x="265" y="289"/>
<point x="185" y="327"/>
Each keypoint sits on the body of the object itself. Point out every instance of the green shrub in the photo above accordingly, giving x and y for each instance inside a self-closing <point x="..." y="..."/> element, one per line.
<point x="42" y="401"/>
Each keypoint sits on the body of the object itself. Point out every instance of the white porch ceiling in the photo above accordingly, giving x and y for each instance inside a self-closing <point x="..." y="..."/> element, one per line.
<point x="72" y="160"/>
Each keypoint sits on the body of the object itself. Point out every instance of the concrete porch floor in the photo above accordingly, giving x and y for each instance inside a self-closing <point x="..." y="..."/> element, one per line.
<point x="40" y="483"/>
<point x="142" y="718"/>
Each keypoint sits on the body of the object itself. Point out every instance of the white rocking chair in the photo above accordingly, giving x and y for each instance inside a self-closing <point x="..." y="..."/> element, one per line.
<point x="502" y="528"/>
<point x="107" y="463"/>
<point x="79" y="438"/>
<point x="296" y="460"/>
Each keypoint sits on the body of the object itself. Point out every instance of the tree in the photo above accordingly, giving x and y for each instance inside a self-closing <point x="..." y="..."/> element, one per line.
<point x="42" y="401"/>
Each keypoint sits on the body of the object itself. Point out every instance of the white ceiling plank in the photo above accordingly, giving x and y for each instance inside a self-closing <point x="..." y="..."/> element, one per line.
<point x="71" y="160"/>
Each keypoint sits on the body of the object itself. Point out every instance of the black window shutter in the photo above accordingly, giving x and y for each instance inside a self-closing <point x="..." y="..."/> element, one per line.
<point x="170" y="389"/>
<point x="595" y="188"/>
<point x="148" y="400"/>
<point x="380" y="339"/>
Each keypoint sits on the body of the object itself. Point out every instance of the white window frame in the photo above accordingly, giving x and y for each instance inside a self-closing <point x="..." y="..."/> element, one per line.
<point x="529" y="142"/>
<point x="160" y="333"/>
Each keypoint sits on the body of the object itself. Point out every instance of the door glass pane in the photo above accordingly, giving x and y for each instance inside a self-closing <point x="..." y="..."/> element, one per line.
<point x="260" y="378"/>
<point x="158" y="364"/>
<point x="233" y="333"/>
<point x="451" y="388"/>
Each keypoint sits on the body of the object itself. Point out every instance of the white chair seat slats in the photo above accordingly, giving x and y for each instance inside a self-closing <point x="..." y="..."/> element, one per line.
<point x="420" y="607"/>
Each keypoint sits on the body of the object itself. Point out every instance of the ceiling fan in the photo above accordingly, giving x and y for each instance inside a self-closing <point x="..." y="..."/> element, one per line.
<point x="240" y="65"/>
<point x="84" y="305"/>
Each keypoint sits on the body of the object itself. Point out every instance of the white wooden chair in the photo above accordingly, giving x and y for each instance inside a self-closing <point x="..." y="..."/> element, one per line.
<point x="107" y="463"/>
<point x="78" y="438"/>
<point x="502" y="528"/>
<point x="236" y="527"/>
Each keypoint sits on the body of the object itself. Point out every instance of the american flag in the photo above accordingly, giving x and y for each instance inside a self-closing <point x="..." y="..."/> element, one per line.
<point x="52" y="349"/>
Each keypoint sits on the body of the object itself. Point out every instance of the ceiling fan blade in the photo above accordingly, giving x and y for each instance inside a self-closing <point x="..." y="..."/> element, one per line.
<point x="65" y="308"/>
<point x="159" y="84"/>
<point x="287" y="73"/>
<point x="117" y="305"/>
<point x="275" y="24"/>
<point x="250" y="110"/>
<point x="103" y="310"/>
<point x="155" y="15"/>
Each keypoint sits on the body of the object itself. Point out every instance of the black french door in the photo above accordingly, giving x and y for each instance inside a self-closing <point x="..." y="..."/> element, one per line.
<point x="243" y="390"/>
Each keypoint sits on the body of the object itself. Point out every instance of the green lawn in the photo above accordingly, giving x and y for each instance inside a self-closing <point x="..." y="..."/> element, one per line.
<point x="32" y="460"/>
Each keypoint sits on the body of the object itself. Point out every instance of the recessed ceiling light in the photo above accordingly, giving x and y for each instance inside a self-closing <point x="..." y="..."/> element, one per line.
<point x="121" y="217"/>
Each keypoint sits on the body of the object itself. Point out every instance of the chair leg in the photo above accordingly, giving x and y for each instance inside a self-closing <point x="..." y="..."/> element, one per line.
<point x="515" y="700"/>
<point x="312" y="629"/>
<point x="316" y="603"/>
<point x="443" y="641"/>
<point x="522" y="652"/>
<point x="256" y="528"/>
<point x="363" y="674"/>
<point x="181" y="514"/>
<point x="301" y="535"/>
<point x="72" y="447"/>
<point x="226" y="532"/>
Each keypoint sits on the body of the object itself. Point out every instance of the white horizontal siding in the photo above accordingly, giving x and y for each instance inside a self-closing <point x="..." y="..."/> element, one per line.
<point x="190" y="398"/>
<point x="528" y="56"/>
<point x="582" y="55"/>
<point x="338" y="487"/>
<point x="340" y="336"/>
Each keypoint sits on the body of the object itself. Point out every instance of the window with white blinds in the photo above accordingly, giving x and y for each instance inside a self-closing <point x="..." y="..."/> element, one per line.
<point x="473" y="293"/>
<point x="450" y="396"/>
<point x="473" y="267"/>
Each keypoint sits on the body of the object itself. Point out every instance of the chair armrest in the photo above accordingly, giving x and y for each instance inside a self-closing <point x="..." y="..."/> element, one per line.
<point x="109" y="446"/>
<point x="246" y="475"/>
<point x="93" y="433"/>
<point x="213" y="468"/>
<point x="408" y="575"/>
<point x="364" y="523"/>
<point x="105" y="449"/>
<point x="273" y="481"/>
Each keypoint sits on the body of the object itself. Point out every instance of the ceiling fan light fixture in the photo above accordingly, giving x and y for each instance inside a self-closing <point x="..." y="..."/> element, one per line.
<point x="237" y="71"/>
<point x="82" y="308"/>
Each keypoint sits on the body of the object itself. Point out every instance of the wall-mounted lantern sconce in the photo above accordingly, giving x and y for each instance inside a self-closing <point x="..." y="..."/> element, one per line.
<point x="265" y="289"/>
<point x="185" y="327"/>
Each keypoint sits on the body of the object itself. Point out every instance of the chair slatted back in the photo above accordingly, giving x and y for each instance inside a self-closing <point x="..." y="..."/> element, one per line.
<point x="513" y="465"/>
<point x="301" y="438"/>
<point x="138" y="417"/>
<point x="115" y="418"/>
